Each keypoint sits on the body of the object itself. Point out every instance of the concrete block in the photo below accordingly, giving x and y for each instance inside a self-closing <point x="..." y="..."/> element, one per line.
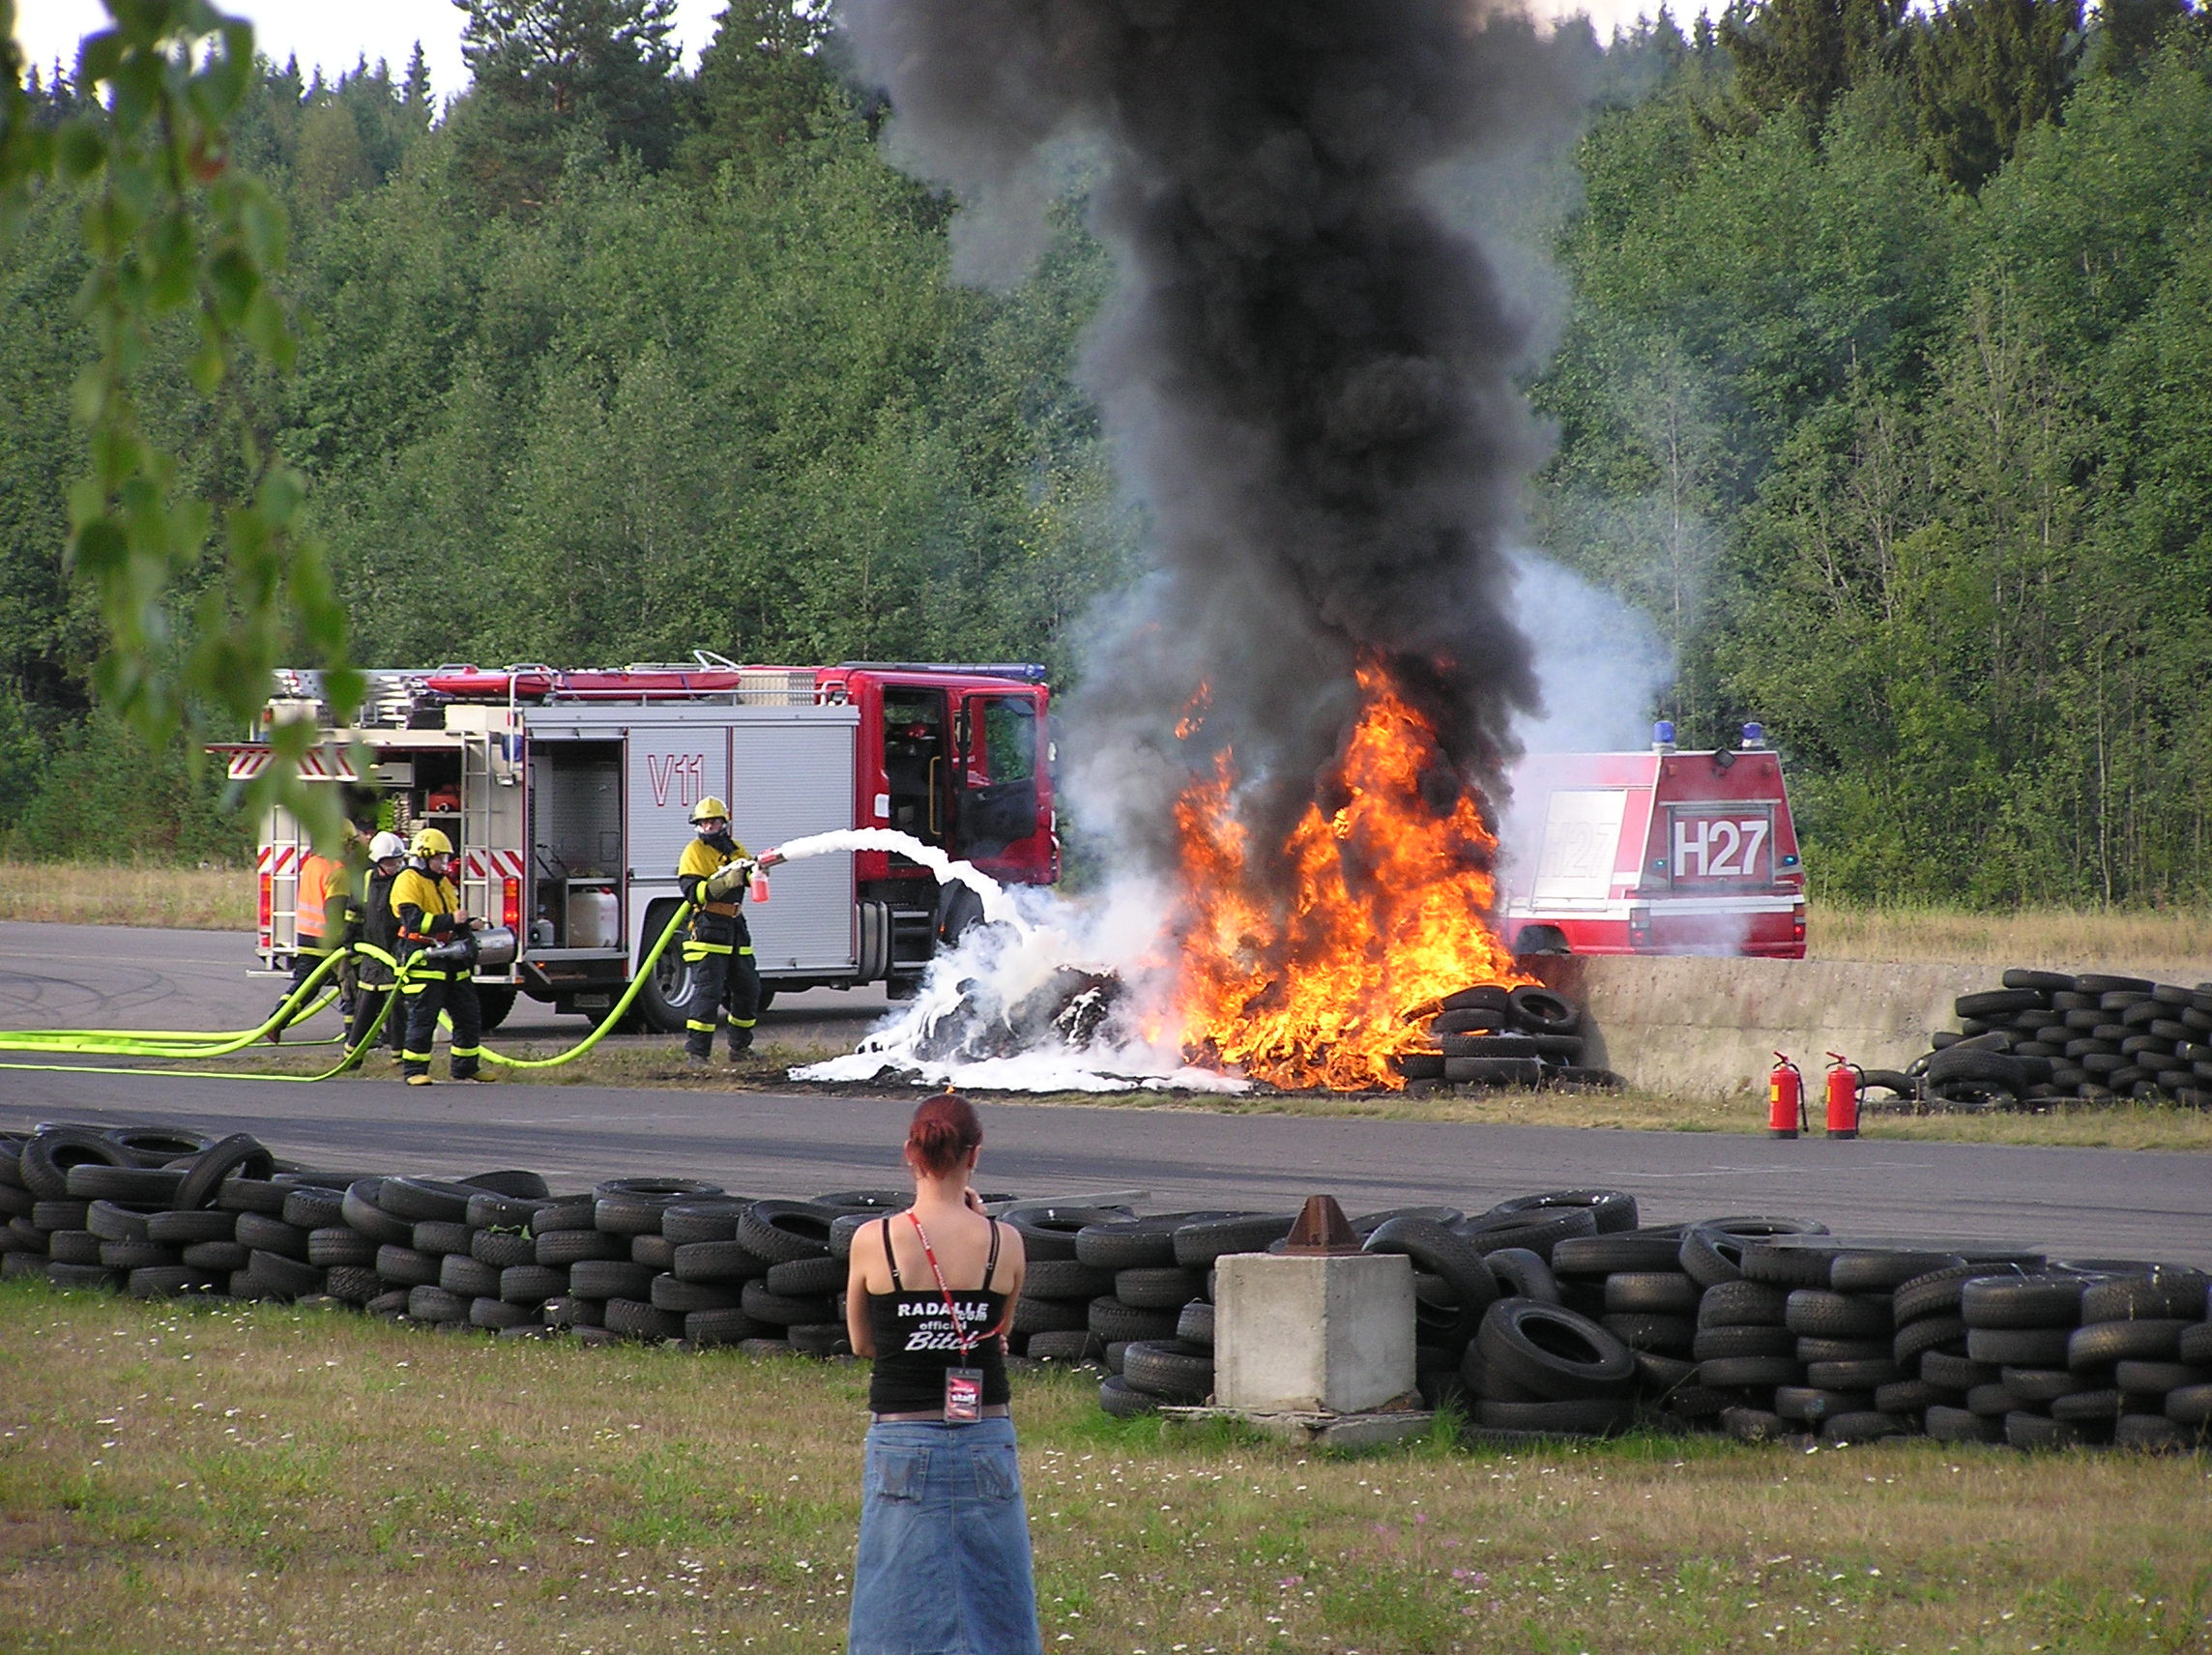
<point x="1311" y="1334"/>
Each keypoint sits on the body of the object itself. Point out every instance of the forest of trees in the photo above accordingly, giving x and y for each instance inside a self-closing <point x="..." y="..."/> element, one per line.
<point x="1881" y="386"/>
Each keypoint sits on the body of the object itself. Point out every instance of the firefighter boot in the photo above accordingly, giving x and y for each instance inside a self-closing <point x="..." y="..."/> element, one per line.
<point x="740" y="1041"/>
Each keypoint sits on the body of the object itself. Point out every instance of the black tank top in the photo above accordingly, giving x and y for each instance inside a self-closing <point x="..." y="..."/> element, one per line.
<point x="915" y="1341"/>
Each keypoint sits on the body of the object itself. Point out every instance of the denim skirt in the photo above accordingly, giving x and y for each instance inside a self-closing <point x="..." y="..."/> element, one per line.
<point x="944" y="1565"/>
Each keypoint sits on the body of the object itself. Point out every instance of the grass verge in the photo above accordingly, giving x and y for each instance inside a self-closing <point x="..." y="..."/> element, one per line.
<point x="195" y="1479"/>
<point x="2169" y="943"/>
<point x="84" y="893"/>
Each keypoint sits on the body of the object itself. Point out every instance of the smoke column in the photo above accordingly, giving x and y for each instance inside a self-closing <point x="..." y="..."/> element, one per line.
<point x="1305" y="373"/>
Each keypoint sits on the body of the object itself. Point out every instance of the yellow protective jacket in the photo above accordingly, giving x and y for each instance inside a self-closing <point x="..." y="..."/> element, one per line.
<point x="699" y="859"/>
<point x="425" y="908"/>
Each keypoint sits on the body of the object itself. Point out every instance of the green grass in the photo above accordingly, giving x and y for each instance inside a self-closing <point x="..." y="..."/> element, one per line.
<point x="180" y="1480"/>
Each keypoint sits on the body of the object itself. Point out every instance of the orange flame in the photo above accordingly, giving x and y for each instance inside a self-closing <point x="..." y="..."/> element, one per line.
<point x="1387" y="916"/>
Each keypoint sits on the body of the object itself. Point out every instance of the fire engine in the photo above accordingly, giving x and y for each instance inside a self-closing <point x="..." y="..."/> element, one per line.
<point x="568" y="796"/>
<point x="1663" y="851"/>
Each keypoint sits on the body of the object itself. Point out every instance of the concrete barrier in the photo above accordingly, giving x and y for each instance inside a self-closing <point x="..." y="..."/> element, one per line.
<point x="1698" y="1027"/>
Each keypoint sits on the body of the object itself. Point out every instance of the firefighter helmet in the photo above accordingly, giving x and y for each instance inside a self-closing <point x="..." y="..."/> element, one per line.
<point x="710" y="810"/>
<point x="431" y="842"/>
<point x="385" y="846"/>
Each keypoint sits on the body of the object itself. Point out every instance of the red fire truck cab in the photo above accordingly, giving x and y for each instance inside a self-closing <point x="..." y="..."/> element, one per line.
<point x="1655" y="853"/>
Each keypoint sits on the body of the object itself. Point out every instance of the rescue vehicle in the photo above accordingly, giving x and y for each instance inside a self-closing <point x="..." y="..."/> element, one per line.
<point x="568" y="795"/>
<point x="1663" y="851"/>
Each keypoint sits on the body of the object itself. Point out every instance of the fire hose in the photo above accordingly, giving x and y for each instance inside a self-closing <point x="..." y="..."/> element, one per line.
<point x="304" y="1001"/>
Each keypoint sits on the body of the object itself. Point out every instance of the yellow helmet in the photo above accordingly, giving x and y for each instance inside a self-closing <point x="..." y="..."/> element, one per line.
<point x="709" y="809"/>
<point x="431" y="842"/>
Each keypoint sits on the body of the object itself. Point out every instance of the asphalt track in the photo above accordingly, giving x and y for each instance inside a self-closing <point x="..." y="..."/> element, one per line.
<point x="2076" y="1202"/>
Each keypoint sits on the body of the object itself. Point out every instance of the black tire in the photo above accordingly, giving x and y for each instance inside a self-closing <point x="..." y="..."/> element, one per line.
<point x="128" y="1185"/>
<point x="180" y="1229"/>
<point x="1117" y="1323"/>
<point x="46" y="1159"/>
<point x="1471" y="1020"/>
<point x="2000" y="1002"/>
<point x="112" y="1221"/>
<point x="2018" y="1347"/>
<point x="170" y="1281"/>
<point x="436" y="1235"/>
<point x="784" y="1231"/>
<point x="496" y="1316"/>
<point x="1051" y="1314"/>
<point x="2101" y="1344"/>
<point x="1641" y="1332"/>
<point x="685" y="1222"/>
<point x="1972" y="1064"/>
<point x="157" y="1146"/>
<point x="664" y="991"/>
<point x="1911" y="1397"/>
<point x="1788" y="1262"/>
<point x="464" y="1276"/>
<point x="715" y="1262"/>
<point x="2043" y="982"/>
<point x="629" y="1215"/>
<point x="360" y="1211"/>
<point x="1467" y="1276"/>
<point x="1601" y="1416"/>
<point x="1195" y="1325"/>
<point x="502" y="1249"/>
<point x="610" y="1279"/>
<point x="1743" y="1339"/>
<point x="1065" y="1278"/>
<point x="1915" y="1339"/>
<point x="2171" y="1292"/>
<point x="532" y="1284"/>
<point x="1712" y="1251"/>
<point x="2022" y="1302"/>
<point x="1884" y="1270"/>
<point x="635" y="1318"/>
<point x="2190" y="1404"/>
<point x="807" y="1278"/>
<point x="2143" y="1378"/>
<point x="1819" y="1313"/>
<point x="1541" y="1011"/>
<point x="1136" y="1243"/>
<point x="216" y="1258"/>
<point x="1169" y="1369"/>
<point x="2100" y="983"/>
<point x="563" y="1212"/>
<point x="313" y="1207"/>
<point x="267" y="1235"/>
<point x="2024" y="1430"/>
<point x="1946" y="1424"/>
<point x="1956" y="1371"/>
<point x="1119" y="1398"/>
<point x="1754" y="1424"/>
<point x="1636" y="1251"/>
<point x="495" y="1001"/>
<point x="274" y="1275"/>
<point x="1048" y="1232"/>
<point x="1494" y="1071"/>
<point x="565" y="1247"/>
<point x="819" y="1339"/>
<point x="720" y="1327"/>
<point x="1537" y="1231"/>
<point x="403" y="1266"/>
<point x="1650" y="1292"/>
<point x="1420" y="1065"/>
<point x="655" y="1252"/>
<point x="2196" y="1343"/>
<point x="1750" y="1373"/>
<point x="565" y="1310"/>
<point x="1895" y="1081"/>
<point x="1073" y="1345"/>
<point x="1482" y="996"/>
<point x="1199" y="1244"/>
<point x="1152" y="1288"/>
<point x="1735" y="1304"/>
<point x="352" y="1284"/>
<point x="1868" y="1426"/>
<point x="682" y="1297"/>
<point x="339" y="1244"/>
<point x="2041" y="1385"/>
<point x="1523" y="1275"/>
<point x="784" y="1311"/>
<point x="1938" y="1292"/>
<point x="1813" y="1404"/>
<point x="1868" y="1375"/>
<point x="1552" y="1353"/>
<point x="128" y="1256"/>
<point x="418" y="1200"/>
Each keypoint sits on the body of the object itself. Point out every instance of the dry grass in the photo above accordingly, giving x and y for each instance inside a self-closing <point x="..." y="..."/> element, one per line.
<point x="222" y="1478"/>
<point x="2170" y="942"/>
<point x="78" y="893"/>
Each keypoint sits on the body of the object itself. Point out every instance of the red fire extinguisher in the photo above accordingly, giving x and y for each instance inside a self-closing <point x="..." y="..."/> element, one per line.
<point x="1846" y="1081"/>
<point x="1785" y="1099"/>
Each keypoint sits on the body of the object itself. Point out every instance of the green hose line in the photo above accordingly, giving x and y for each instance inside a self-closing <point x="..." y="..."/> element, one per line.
<point x="613" y="1017"/>
<point x="127" y="1043"/>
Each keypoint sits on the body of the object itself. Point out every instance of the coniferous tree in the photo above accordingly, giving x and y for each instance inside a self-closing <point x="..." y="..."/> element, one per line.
<point x="761" y="83"/>
<point x="1805" y="54"/>
<point x="556" y="78"/>
<point x="1984" y="71"/>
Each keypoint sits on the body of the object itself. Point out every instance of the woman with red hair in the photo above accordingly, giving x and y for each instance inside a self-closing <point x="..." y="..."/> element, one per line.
<point x="944" y="1565"/>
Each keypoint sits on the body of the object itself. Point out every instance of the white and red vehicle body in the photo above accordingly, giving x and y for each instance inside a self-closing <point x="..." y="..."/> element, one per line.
<point x="568" y="797"/>
<point x="1655" y="853"/>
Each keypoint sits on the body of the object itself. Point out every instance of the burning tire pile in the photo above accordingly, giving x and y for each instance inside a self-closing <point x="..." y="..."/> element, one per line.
<point x="2046" y="1037"/>
<point x="1494" y="1036"/>
<point x="1558" y="1314"/>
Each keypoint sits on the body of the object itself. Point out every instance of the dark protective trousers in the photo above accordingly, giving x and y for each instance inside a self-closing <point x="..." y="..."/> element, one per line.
<point x="724" y="981"/>
<point x="453" y="992"/>
<point x="306" y="956"/>
<point x="369" y="1001"/>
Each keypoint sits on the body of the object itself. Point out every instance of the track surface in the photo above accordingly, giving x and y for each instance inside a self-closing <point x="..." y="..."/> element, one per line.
<point x="2076" y="1202"/>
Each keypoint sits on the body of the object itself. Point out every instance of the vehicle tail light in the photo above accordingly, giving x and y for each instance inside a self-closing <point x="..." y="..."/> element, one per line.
<point x="1639" y="928"/>
<point x="268" y="912"/>
<point x="511" y="904"/>
<point x="1798" y="923"/>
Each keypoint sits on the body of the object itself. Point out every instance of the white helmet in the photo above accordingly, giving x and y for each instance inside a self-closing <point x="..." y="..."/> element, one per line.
<point x="385" y="846"/>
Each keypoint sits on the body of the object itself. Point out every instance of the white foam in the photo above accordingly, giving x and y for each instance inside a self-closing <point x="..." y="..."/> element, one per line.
<point x="997" y="907"/>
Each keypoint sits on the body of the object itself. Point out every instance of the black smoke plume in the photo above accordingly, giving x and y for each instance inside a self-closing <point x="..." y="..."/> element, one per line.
<point x="1306" y="371"/>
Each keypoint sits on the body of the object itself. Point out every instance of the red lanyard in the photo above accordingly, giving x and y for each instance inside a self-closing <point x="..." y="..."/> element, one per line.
<point x="951" y="1309"/>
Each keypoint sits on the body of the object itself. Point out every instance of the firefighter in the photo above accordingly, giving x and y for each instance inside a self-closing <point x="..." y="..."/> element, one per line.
<point x="380" y="926"/>
<point x="319" y="914"/>
<point x="714" y="871"/>
<point x="426" y="905"/>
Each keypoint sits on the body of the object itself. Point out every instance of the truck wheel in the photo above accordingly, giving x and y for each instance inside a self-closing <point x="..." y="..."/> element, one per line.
<point x="1541" y="940"/>
<point x="766" y="998"/>
<point x="667" y="988"/>
<point x="497" y="1000"/>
